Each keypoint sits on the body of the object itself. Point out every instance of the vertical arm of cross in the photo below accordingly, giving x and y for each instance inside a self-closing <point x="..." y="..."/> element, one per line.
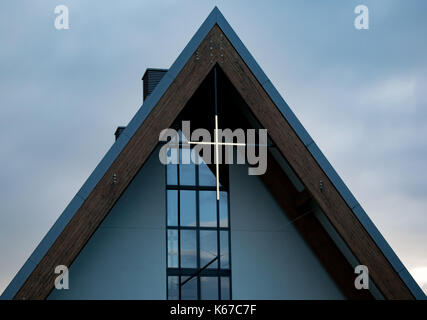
<point x="216" y="135"/>
<point x="217" y="143"/>
<point x="217" y="157"/>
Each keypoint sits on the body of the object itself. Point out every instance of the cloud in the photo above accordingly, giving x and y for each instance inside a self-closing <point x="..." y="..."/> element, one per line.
<point x="420" y="275"/>
<point x="392" y="94"/>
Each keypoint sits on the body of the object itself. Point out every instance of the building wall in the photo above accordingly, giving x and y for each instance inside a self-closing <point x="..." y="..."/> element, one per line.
<point x="126" y="257"/>
<point x="270" y="260"/>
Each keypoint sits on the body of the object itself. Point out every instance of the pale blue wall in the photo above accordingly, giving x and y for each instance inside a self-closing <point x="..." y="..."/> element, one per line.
<point x="270" y="260"/>
<point x="126" y="257"/>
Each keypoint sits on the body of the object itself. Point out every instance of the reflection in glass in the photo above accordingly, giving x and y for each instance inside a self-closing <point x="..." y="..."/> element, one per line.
<point x="173" y="288"/>
<point x="223" y="209"/>
<point x="195" y="220"/>
<point x="224" y="250"/>
<point x="172" y="169"/>
<point x="188" y="249"/>
<point x="225" y="288"/>
<point x="208" y="248"/>
<point x="172" y="208"/>
<point x="188" y="208"/>
<point x="189" y="289"/>
<point x="209" y="288"/>
<point x="172" y="248"/>
<point x="206" y="176"/>
<point x="207" y="200"/>
<point x="187" y="169"/>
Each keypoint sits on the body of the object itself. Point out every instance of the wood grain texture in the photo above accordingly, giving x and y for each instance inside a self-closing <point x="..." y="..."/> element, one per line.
<point x="215" y="48"/>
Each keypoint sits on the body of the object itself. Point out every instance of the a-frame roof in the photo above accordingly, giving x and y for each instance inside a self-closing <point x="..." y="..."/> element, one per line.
<point x="96" y="197"/>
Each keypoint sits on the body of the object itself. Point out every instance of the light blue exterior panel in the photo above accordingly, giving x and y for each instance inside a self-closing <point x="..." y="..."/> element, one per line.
<point x="269" y="258"/>
<point x="126" y="256"/>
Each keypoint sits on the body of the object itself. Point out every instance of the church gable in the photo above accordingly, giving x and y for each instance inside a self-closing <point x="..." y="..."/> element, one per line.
<point x="125" y="257"/>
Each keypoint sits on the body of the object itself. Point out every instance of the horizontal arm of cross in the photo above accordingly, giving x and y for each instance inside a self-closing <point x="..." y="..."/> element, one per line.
<point x="218" y="143"/>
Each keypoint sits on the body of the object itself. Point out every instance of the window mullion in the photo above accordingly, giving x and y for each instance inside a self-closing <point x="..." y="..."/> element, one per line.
<point x="179" y="229"/>
<point x="181" y="272"/>
<point x="198" y="230"/>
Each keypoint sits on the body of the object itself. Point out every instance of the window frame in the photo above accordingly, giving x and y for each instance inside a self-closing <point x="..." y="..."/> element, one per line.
<point x="219" y="272"/>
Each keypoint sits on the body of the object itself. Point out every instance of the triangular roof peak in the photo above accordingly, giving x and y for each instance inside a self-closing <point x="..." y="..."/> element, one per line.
<point x="30" y="280"/>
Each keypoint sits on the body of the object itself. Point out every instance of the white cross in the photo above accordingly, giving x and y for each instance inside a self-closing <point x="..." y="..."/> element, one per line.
<point x="217" y="144"/>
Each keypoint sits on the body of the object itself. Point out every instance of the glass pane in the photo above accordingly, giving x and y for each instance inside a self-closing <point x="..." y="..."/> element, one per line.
<point x="172" y="212"/>
<point x="173" y="288"/>
<point x="208" y="248"/>
<point x="188" y="249"/>
<point x="189" y="289"/>
<point x="173" y="248"/>
<point x="172" y="172"/>
<point x="223" y="209"/>
<point x="206" y="176"/>
<point x="224" y="250"/>
<point x="188" y="208"/>
<point x="207" y="200"/>
<point x="187" y="169"/>
<point x="225" y="288"/>
<point x="172" y="169"/>
<point x="209" y="288"/>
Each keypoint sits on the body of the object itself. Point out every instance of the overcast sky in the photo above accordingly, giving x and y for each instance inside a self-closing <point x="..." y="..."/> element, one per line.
<point x="361" y="94"/>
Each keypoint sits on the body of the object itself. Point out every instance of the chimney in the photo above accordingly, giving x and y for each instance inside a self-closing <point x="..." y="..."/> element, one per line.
<point x="151" y="79"/>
